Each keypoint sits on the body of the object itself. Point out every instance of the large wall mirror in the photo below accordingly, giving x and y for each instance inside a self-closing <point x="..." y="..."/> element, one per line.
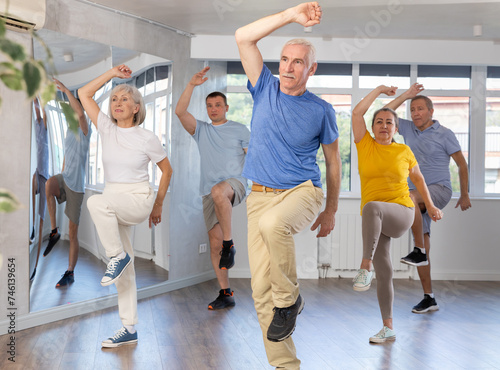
<point x="77" y="62"/>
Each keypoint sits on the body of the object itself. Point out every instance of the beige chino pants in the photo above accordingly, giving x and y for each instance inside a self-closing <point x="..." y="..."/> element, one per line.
<point x="273" y="218"/>
<point x="114" y="212"/>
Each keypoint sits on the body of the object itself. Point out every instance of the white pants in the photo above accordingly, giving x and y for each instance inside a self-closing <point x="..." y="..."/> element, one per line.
<point x="119" y="207"/>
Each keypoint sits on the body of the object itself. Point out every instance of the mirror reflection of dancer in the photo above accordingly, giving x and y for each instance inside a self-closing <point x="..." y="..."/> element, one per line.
<point x="387" y="209"/>
<point x="222" y="145"/>
<point x="41" y="174"/>
<point x="433" y="145"/>
<point x="128" y="198"/>
<point x="288" y="126"/>
<point x="69" y="186"/>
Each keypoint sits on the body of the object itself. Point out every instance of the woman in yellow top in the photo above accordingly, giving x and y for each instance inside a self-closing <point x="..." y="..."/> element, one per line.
<point x="386" y="207"/>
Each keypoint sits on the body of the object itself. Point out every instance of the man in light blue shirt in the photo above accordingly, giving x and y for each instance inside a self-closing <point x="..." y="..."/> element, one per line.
<point x="222" y="145"/>
<point x="433" y="146"/>
<point x="69" y="186"/>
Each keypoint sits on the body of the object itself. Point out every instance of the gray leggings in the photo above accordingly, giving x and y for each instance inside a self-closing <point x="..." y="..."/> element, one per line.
<point x="382" y="221"/>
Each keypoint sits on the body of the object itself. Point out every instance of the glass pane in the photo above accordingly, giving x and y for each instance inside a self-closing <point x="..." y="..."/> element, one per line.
<point x="148" y="123"/>
<point x="92" y="173"/>
<point x="342" y="106"/>
<point x="161" y="78"/>
<point x="150" y="81"/>
<point x="237" y="80"/>
<point x="453" y="113"/>
<point x="240" y="107"/>
<point x="371" y="82"/>
<point x="492" y="146"/>
<point x="329" y="81"/>
<point x="493" y="83"/>
<point x="445" y="83"/>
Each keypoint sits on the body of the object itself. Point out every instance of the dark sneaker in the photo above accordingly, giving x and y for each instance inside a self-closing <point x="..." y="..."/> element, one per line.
<point x="284" y="320"/>
<point x="227" y="257"/>
<point x="415" y="258"/>
<point x="115" y="269"/>
<point x="120" y="338"/>
<point x="222" y="301"/>
<point x="67" y="278"/>
<point x="427" y="304"/>
<point x="53" y="239"/>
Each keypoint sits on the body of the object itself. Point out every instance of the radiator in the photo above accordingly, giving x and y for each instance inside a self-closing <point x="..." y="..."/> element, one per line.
<point x="343" y="248"/>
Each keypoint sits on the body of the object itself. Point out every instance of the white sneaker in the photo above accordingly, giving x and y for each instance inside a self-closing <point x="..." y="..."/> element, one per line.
<point x="363" y="280"/>
<point x="383" y="335"/>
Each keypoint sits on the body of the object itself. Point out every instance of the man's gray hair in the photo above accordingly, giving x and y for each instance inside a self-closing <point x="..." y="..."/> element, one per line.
<point x="311" y="55"/>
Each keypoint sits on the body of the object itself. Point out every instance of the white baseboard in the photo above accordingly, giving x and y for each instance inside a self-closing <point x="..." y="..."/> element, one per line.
<point x="80" y="308"/>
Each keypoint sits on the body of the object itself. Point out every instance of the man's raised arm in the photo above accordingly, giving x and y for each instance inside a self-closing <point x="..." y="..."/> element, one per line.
<point x="306" y="14"/>
<point x="187" y="119"/>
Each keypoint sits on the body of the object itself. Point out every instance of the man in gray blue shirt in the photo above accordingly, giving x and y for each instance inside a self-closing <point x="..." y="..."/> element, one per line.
<point x="223" y="145"/>
<point x="69" y="186"/>
<point x="433" y="146"/>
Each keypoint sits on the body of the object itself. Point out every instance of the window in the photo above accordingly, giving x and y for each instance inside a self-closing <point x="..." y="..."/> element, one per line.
<point x="444" y="77"/>
<point x="492" y="146"/>
<point x="373" y="75"/>
<point x="493" y="79"/>
<point x="453" y="113"/>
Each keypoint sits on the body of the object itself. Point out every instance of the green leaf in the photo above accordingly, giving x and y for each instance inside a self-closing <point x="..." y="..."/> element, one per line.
<point x="8" y="201"/>
<point x="32" y="77"/>
<point x="48" y="92"/>
<point x="14" y="50"/>
<point x="13" y="80"/>
<point x="71" y="117"/>
<point x="2" y="28"/>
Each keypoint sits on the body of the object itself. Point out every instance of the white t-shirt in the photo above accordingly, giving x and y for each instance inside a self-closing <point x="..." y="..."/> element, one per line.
<point x="126" y="152"/>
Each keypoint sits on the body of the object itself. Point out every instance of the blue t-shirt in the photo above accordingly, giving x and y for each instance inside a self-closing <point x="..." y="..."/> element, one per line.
<point x="221" y="152"/>
<point x="76" y="148"/>
<point x="432" y="148"/>
<point x="286" y="133"/>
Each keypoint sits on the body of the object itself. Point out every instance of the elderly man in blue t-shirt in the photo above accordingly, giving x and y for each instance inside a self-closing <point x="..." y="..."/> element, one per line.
<point x="433" y="146"/>
<point x="288" y="125"/>
<point x="223" y="145"/>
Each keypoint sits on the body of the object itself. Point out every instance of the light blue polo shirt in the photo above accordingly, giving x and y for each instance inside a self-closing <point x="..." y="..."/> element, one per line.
<point x="76" y="149"/>
<point x="221" y="152"/>
<point x="432" y="148"/>
<point x="286" y="133"/>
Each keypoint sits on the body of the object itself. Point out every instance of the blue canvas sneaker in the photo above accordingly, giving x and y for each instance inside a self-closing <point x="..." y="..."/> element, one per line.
<point x="115" y="269"/>
<point x="120" y="338"/>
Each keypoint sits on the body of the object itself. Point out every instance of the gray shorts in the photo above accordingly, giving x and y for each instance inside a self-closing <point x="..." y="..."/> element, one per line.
<point x="40" y="189"/>
<point x="73" y="200"/>
<point x="440" y="196"/>
<point x="240" y="192"/>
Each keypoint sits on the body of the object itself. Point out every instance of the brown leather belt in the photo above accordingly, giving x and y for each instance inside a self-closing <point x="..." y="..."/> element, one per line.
<point x="265" y="189"/>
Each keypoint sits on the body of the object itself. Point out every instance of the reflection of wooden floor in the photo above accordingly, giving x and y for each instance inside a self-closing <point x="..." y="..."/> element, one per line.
<point x="177" y="332"/>
<point x="88" y="274"/>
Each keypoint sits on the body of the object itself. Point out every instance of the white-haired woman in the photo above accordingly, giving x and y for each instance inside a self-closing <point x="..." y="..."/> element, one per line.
<point x="128" y="198"/>
<point x="386" y="207"/>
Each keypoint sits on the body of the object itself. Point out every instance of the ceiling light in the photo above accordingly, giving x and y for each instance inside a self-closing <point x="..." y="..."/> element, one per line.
<point x="308" y="29"/>
<point x="68" y="57"/>
<point x="478" y="30"/>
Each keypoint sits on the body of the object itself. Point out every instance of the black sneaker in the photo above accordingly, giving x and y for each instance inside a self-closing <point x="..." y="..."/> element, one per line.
<point x="415" y="258"/>
<point x="427" y="304"/>
<point x="222" y="301"/>
<point x="227" y="257"/>
<point x="67" y="278"/>
<point x="284" y="320"/>
<point x="53" y="239"/>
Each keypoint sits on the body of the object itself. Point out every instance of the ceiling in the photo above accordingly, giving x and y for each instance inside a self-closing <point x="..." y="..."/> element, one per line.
<point x="384" y="19"/>
<point x="407" y="19"/>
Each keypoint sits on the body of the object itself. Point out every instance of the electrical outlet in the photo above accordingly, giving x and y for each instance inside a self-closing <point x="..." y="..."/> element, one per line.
<point x="203" y="248"/>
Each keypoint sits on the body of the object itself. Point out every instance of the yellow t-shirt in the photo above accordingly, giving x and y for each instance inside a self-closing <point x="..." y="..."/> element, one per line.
<point x="383" y="170"/>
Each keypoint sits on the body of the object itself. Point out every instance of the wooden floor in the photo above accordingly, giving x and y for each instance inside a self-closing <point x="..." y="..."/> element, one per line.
<point x="176" y="331"/>
<point x="88" y="274"/>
